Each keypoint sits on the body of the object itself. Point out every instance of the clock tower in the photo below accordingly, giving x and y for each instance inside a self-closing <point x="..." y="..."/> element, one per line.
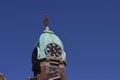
<point x="48" y="57"/>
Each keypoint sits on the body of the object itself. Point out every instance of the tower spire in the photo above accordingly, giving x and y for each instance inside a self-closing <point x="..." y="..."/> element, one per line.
<point x="46" y="21"/>
<point x="48" y="57"/>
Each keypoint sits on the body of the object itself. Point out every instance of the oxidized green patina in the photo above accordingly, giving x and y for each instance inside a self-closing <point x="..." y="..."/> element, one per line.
<point x="47" y="37"/>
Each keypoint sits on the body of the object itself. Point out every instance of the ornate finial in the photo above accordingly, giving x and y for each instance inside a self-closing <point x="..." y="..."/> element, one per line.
<point x="46" y="21"/>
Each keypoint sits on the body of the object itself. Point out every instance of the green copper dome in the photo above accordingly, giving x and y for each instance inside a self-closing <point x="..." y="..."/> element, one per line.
<point x="47" y="37"/>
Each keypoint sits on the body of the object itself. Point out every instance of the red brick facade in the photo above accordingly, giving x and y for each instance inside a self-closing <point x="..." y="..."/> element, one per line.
<point x="2" y="77"/>
<point x="50" y="70"/>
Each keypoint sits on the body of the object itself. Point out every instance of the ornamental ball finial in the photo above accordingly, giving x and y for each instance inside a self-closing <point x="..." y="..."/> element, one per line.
<point x="46" y="21"/>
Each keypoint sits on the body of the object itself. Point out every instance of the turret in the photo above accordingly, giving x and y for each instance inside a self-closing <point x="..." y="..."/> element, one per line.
<point x="49" y="57"/>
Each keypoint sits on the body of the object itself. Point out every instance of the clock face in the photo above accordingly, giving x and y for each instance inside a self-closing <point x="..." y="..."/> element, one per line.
<point x="54" y="50"/>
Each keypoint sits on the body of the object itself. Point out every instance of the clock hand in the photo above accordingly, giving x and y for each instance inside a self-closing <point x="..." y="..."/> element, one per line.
<point x="57" y="54"/>
<point x="54" y="50"/>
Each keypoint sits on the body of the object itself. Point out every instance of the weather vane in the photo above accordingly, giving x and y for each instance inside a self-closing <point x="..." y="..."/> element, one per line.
<point x="46" y="21"/>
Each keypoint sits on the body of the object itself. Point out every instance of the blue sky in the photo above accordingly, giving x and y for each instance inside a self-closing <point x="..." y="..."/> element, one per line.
<point x="89" y="29"/>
